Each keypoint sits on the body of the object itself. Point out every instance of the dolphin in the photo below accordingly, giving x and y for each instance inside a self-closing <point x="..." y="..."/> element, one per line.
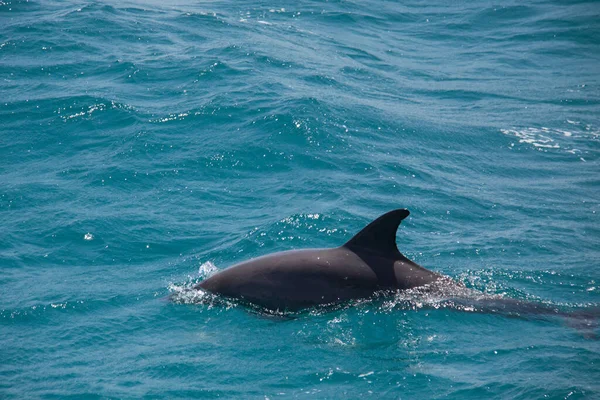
<point x="298" y="279"/>
<point x="368" y="263"/>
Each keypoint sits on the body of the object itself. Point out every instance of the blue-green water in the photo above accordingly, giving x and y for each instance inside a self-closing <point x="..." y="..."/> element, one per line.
<point x="143" y="144"/>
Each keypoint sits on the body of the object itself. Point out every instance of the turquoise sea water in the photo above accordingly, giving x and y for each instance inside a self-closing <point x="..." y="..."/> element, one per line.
<point x="144" y="145"/>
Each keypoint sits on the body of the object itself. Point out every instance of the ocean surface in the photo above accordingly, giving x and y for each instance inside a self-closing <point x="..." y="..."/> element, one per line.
<point x="145" y="145"/>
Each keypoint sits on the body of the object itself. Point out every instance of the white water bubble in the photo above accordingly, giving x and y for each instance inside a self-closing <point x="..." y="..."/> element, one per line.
<point x="207" y="269"/>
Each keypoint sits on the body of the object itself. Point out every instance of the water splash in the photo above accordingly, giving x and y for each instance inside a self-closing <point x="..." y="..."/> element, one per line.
<point x="188" y="293"/>
<point x="207" y="269"/>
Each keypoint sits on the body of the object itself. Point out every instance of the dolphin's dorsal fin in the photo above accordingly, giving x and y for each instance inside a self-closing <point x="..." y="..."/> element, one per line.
<point x="380" y="235"/>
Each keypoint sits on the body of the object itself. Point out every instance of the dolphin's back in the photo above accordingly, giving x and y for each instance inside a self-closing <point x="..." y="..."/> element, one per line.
<point x="296" y="279"/>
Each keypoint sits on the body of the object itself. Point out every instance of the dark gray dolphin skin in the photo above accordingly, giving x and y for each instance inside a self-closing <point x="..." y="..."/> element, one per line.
<point x="297" y="279"/>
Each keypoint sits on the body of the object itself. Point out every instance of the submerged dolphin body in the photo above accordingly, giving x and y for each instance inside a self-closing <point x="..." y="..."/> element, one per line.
<point x="292" y="280"/>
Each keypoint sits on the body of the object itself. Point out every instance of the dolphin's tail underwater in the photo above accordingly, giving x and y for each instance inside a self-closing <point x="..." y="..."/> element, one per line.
<point x="447" y="293"/>
<point x="585" y="320"/>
